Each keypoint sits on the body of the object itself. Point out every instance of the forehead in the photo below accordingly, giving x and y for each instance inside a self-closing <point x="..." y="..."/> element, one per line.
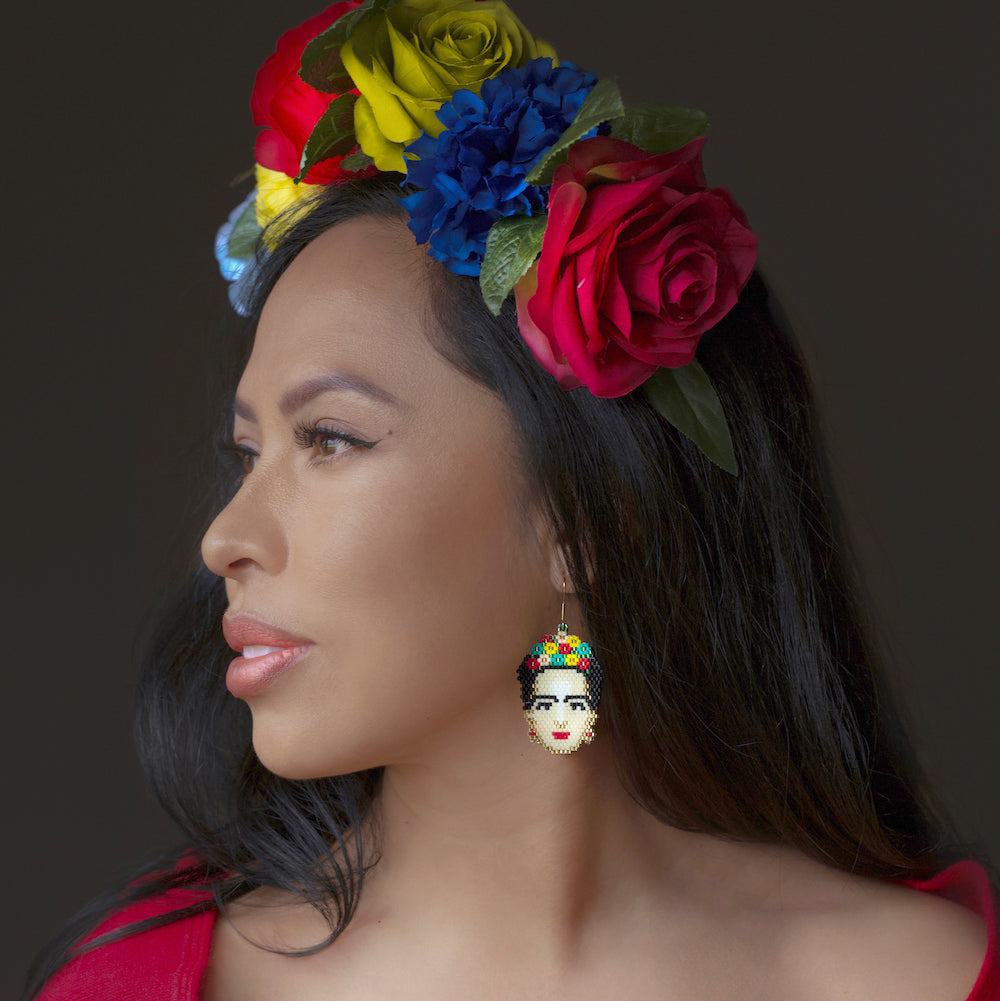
<point x="355" y="300"/>
<point x="560" y="683"/>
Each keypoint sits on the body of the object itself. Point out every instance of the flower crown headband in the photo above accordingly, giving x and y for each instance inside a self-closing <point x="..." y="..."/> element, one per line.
<point x="529" y="173"/>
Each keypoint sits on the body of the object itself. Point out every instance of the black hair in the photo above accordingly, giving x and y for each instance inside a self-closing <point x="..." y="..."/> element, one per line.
<point x="741" y="691"/>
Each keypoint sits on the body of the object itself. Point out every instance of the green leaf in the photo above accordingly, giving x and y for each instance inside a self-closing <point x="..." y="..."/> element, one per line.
<point x="245" y="235"/>
<point x="356" y="161"/>
<point x="325" y="71"/>
<point x="321" y="66"/>
<point x="603" y="104"/>
<point x="658" y="128"/>
<point x="686" y="398"/>
<point x="512" y="245"/>
<point x="332" y="136"/>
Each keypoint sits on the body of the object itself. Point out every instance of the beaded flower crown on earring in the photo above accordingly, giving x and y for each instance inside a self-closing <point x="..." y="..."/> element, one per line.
<point x="530" y="174"/>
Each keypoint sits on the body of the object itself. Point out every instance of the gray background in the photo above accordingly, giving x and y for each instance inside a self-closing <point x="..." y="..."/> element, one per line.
<point x="859" y="137"/>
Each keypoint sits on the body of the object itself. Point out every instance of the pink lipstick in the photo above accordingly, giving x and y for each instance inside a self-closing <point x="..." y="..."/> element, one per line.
<point x="266" y="653"/>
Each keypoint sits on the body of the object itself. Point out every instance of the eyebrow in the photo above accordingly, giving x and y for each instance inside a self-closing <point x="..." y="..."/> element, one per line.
<point x="298" y="396"/>
<point x="565" y="698"/>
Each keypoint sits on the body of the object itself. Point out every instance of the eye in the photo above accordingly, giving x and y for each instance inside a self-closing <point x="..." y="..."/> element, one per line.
<point x="578" y="703"/>
<point x="240" y="457"/>
<point x="324" y="442"/>
<point x="543" y="703"/>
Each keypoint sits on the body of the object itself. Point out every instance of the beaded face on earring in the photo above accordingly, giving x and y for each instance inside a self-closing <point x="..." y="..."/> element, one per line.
<point x="560" y="690"/>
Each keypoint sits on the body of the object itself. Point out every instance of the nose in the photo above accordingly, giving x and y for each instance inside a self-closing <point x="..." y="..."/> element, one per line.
<point x="247" y="533"/>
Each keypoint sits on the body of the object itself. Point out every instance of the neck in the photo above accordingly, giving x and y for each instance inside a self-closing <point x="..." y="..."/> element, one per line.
<point x="514" y="830"/>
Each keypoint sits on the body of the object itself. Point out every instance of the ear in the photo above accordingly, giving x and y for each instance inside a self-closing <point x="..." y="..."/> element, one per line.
<point x="552" y="552"/>
<point x="559" y="575"/>
<point x="556" y="557"/>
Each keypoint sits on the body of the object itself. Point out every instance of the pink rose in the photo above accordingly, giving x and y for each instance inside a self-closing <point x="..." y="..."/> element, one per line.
<point x="639" y="259"/>
<point x="288" y="107"/>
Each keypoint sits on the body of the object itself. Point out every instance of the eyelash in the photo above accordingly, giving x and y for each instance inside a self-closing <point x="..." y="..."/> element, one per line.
<point x="306" y="436"/>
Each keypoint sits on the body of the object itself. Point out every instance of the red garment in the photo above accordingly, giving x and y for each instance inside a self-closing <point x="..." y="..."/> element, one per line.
<point x="966" y="883"/>
<point x="168" y="963"/>
<point x="163" y="964"/>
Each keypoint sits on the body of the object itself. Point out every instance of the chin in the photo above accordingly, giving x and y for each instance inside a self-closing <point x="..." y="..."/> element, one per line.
<point x="298" y="759"/>
<point x="297" y="769"/>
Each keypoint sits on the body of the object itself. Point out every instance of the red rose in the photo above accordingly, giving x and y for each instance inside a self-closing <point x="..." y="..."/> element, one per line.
<point x="639" y="259"/>
<point x="288" y="106"/>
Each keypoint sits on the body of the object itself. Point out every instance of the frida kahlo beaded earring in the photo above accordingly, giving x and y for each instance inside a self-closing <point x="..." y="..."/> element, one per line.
<point x="560" y="690"/>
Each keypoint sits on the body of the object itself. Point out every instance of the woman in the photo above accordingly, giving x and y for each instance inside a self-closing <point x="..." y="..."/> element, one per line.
<point x="417" y="497"/>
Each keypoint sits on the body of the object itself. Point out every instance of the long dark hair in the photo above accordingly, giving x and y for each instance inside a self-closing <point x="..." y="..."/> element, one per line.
<point x="741" y="694"/>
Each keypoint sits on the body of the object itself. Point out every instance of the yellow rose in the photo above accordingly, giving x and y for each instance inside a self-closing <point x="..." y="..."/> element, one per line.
<point x="409" y="61"/>
<point x="279" y="197"/>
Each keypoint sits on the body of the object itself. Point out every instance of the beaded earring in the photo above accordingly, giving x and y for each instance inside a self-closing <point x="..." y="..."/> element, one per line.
<point x="560" y="689"/>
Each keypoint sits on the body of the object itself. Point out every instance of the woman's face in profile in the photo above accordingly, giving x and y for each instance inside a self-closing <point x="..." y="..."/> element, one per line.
<point x="382" y="567"/>
<point x="560" y="715"/>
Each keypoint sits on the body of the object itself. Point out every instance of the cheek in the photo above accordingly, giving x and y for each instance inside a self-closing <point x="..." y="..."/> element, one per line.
<point x="391" y="534"/>
<point x="452" y="561"/>
<point x="429" y="593"/>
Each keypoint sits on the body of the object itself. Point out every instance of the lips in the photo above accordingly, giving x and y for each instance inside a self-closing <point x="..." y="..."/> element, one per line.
<point x="561" y="734"/>
<point x="245" y="630"/>
<point x="267" y="653"/>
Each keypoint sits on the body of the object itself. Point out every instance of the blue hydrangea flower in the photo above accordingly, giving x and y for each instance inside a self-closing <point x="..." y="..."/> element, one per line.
<point x="238" y="271"/>
<point x="231" y="267"/>
<point x="473" y="173"/>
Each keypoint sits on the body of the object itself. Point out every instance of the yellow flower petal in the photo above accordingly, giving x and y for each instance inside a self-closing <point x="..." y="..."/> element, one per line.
<point x="468" y="43"/>
<point x="280" y="202"/>
<point x="543" y="50"/>
<point x="360" y="69"/>
<point x="386" y="154"/>
<point x="412" y="73"/>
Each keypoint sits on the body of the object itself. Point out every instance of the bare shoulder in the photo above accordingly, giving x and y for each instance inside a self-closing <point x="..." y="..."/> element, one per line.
<point x="248" y="959"/>
<point x="868" y="940"/>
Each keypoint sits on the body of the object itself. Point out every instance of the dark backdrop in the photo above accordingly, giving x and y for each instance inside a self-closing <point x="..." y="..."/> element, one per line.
<point x="860" y="138"/>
